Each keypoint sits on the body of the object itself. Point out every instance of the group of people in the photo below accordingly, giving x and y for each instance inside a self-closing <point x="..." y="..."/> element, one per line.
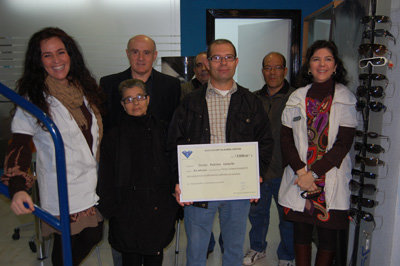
<point x="130" y="176"/>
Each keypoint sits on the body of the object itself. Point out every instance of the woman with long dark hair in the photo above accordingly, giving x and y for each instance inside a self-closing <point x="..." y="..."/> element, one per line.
<point x="56" y="80"/>
<point x="318" y="127"/>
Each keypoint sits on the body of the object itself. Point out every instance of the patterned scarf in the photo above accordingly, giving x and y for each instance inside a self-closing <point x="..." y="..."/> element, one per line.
<point x="71" y="97"/>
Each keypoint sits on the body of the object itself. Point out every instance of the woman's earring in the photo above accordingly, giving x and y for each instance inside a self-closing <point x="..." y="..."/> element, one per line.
<point x="309" y="73"/>
<point x="334" y="73"/>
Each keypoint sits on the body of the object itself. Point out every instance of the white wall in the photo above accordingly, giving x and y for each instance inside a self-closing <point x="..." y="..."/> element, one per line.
<point x="101" y="27"/>
<point x="254" y="44"/>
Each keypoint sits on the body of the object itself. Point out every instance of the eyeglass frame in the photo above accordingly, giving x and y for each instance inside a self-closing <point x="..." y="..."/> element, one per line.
<point x="372" y="46"/>
<point x="365" y="202"/>
<point x="363" y="174"/>
<point x="369" y="62"/>
<point x="369" y="147"/>
<point x="362" y="159"/>
<point x="368" y="189"/>
<point x="219" y="58"/>
<point x="376" y="18"/>
<point x="138" y="98"/>
<point x="378" y="33"/>
<point x="374" y="91"/>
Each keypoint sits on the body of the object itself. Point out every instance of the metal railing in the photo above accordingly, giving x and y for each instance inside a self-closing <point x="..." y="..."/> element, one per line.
<point x="62" y="224"/>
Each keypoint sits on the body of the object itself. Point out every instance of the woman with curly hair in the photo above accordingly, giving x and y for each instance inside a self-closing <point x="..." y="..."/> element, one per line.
<point x="56" y="80"/>
<point x="318" y="127"/>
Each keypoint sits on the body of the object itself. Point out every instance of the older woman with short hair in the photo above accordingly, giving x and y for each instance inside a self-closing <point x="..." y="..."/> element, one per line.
<point x="135" y="182"/>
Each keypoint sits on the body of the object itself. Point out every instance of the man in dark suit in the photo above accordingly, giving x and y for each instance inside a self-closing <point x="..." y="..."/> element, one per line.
<point x="164" y="90"/>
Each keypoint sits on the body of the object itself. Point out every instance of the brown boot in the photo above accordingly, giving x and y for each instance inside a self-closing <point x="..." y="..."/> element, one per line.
<point x="324" y="257"/>
<point x="303" y="254"/>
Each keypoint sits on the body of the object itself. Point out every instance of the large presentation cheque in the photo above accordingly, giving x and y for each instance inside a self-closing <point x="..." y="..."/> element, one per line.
<point x="218" y="171"/>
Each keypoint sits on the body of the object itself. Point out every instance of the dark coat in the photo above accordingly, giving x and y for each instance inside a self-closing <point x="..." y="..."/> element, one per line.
<point x="135" y="186"/>
<point x="164" y="96"/>
<point x="274" y="107"/>
<point x="247" y="121"/>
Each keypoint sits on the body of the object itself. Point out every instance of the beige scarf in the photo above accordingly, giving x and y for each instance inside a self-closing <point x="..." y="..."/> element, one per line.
<point x="71" y="97"/>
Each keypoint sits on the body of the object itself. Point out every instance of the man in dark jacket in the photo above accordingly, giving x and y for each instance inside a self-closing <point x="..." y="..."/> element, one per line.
<point x="274" y="95"/>
<point x="164" y="90"/>
<point x="201" y="75"/>
<point x="220" y="112"/>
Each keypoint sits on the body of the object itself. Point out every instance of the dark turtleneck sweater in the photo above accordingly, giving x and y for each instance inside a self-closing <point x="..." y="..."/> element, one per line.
<point x="333" y="157"/>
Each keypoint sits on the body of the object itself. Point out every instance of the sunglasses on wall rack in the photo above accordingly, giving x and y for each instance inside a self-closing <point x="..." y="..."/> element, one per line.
<point x="373" y="106"/>
<point x="377" y="19"/>
<point x="362" y="215"/>
<point x="371" y="148"/>
<point x="372" y="135"/>
<point x="374" y="91"/>
<point x="378" y="49"/>
<point x="378" y="33"/>
<point x="373" y="76"/>
<point x="359" y="173"/>
<point x="367" y="203"/>
<point x="373" y="61"/>
<point x="369" y="161"/>
<point x="366" y="188"/>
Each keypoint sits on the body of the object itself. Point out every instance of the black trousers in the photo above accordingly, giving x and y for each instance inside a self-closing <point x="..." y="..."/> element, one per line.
<point x="136" y="259"/>
<point x="81" y="245"/>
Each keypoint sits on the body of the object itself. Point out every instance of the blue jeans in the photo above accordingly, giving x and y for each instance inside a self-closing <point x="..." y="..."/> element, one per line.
<point x="198" y="225"/>
<point x="259" y="219"/>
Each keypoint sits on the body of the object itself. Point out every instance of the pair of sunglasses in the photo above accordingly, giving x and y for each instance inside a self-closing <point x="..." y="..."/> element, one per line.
<point x="363" y="174"/>
<point x="372" y="135"/>
<point x="373" y="61"/>
<point x="378" y="33"/>
<point x="357" y="215"/>
<point x="372" y="148"/>
<point x="366" y="188"/>
<point x="373" y="76"/>
<point x="376" y="18"/>
<point x="378" y="49"/>
<point x="373" y="106"/>
<point x="369" y="161"/>
<point x="367" y="203"/>
<point x="374" y="91"/>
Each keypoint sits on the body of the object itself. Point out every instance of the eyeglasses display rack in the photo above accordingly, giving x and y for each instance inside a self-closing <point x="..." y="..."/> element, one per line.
<point x="373" y="56"/>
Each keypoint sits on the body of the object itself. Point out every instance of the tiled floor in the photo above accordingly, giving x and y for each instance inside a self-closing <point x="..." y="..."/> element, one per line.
<point x="17" y="252"/>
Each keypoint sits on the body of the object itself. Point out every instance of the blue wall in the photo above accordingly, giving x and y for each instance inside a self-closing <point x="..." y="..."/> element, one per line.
<point x="193" y="16"/>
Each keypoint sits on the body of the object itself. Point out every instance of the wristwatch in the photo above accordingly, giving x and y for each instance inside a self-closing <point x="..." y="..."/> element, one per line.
<point x="314" y="175"/>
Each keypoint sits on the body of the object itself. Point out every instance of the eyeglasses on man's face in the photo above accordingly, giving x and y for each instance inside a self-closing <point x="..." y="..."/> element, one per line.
<point x="276" y="68"/>
<point x="130" y="99"/>
<point x="220" y="58"/>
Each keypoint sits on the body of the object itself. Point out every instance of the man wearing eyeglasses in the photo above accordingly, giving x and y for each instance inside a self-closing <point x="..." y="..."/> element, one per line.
<point x="274" y="95"/>
<point x="164" y="90"/>
<point x="220" y="112"/>
<point x="201" y="75"/>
